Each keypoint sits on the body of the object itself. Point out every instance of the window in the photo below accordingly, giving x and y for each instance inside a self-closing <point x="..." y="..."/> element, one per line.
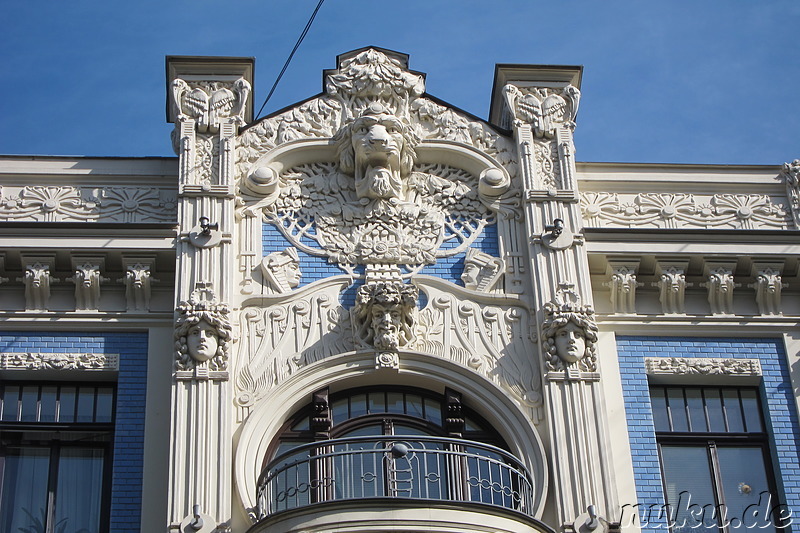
<point x="714" y="458"/>
<point x="55" y="457"/>
<point x="390" y="442"/>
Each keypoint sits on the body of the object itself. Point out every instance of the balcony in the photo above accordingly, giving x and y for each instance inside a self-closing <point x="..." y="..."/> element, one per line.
<point x="376" y="473"/>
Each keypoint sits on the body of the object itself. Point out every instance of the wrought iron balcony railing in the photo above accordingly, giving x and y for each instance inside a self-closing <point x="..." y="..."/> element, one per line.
<point x="426" y="468"/>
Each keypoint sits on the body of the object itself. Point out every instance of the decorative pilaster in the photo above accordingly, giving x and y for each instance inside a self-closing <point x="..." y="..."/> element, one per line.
<point x="541" y="104"/>
<point x="207" y="110"/>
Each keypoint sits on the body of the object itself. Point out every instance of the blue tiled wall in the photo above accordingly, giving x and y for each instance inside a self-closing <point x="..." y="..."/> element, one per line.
<point x="126" y="490"/>
<point x="777" y="397"/>
<point x="315" y="268"/>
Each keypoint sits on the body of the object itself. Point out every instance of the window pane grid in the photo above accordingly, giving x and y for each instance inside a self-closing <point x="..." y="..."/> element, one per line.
<point x="88" y="404"/>
<point x="705" y="410"/>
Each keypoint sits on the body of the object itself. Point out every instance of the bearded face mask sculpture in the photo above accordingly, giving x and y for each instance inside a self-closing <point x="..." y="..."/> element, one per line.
<point x="377" y="148"/>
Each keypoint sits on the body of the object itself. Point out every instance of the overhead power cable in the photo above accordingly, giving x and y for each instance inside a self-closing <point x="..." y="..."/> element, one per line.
<point x="291" y="55"/>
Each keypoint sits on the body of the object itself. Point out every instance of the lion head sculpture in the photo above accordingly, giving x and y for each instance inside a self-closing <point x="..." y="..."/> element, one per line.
<point x="377" y="148"/>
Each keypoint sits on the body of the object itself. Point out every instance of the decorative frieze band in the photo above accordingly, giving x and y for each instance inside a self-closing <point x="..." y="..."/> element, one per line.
<point x="59" y="361"/>
<point x="682" y="210"/>
<point x="683" y="366"/>
<point x="87" y="204"/>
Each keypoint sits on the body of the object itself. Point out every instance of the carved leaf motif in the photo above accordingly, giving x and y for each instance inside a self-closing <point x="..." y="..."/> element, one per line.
<point x="674" y="210"/>
<point x="287" y="332"/>
<point x="486" y="334"/>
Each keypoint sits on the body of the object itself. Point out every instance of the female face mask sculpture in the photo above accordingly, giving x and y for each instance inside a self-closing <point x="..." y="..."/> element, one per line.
<point x="570" y="341"/>
<point x="202" y="341"/>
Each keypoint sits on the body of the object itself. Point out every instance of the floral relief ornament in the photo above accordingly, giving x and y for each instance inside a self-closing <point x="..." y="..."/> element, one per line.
<point x="58" y="361"/>
<point x="674" y="210"/>
<point x="374" y="206"/>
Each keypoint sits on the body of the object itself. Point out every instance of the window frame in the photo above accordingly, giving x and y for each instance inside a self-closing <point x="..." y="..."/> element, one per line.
<point x="711" y="441"/>
<point x="56" y="436"/>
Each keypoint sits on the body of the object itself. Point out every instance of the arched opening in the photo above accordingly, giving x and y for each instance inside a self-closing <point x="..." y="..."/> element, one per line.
<point x="390" y="442"/>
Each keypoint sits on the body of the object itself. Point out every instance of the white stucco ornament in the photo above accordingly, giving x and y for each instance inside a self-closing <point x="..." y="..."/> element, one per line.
<point x="569" y="332"/>
<point x="368" y="180"/>
<point x="383" y="316"/>
<point x="209" y="102"/>
<point x="281" y="270"/>
<point x="202" y="333"/>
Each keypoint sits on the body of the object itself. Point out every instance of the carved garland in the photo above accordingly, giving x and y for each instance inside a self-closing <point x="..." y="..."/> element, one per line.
<point x="702" y="366"/>
<point x="59" y="361"/>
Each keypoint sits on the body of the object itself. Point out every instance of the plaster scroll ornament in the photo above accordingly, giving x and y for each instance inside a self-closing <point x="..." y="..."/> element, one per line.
<point x="720" y="287"/>
<point x="791" y="175"/>
<point x="544" y="109"/>
<point x="37" y="281"/>
<point x="672" y="290"/>
<point x="768" y="286"/>
<point x="138" y="286"/>
<point x="209" y="103"/>
<point x="481" y="271"/>
<point x="281" y="270"/>
<point x="383" y="316"/>
<point x="87" y="280"/>
<point x="569" y="333"/>
<point x="623" y="287"/>
<point x="203" y="334"/>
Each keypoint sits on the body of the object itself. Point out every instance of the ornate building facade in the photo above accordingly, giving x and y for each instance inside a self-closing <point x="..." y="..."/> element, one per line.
<point x="373" y="311"/>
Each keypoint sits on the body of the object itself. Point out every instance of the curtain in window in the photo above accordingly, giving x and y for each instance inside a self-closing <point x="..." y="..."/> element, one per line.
<point x="79" y="490"/>
<point x="24" y="490"/>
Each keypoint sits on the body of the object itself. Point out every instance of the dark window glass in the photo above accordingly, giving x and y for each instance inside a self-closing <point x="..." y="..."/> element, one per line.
<point x="377" y="402"/>
<point x="51" y="471"/>
<point x="66" y="411"/>
<point x="433" y="411"/>
<point x="660" y="414"/>
<point x="10" y="403"/>
<point x="105" y="405"/>
<point x="414" y="406"/>
<point x="688" y="482"/>
<point x="697" y="415"/>
<point x="30" y="404"/>
<point x="722" y="466"/>
<point x="47" y="411"/>
<point x="733" y="410"/>
<point x="677" y="410"/>
<point x="358" y="405"/>
<point x="752" y="413"/>
<point x="24" y="488"/>
<point x="395" y="403"/>
<point x="716" y="418"/>
<point x="86" y="404"/>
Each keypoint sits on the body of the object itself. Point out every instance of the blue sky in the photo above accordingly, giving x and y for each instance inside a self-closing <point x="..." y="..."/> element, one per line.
<point x="671" y="81"/>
